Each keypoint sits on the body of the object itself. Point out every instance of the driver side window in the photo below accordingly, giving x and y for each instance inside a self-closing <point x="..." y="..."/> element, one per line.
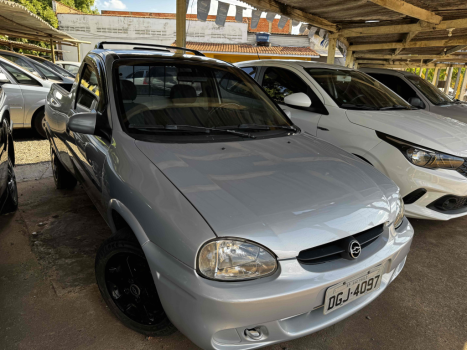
<point x="280" y="82"/>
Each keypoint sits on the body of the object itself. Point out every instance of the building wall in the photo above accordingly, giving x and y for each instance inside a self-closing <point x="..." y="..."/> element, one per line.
<point x="283" y="40"/>
<point x="95" y="28"/>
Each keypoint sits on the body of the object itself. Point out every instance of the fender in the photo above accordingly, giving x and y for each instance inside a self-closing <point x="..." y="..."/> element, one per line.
<point x="31" y="110"/>
<point x="126" y="214"/>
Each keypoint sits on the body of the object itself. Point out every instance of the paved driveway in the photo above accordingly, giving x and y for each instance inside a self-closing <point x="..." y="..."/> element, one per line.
<point x="49" y="299"/>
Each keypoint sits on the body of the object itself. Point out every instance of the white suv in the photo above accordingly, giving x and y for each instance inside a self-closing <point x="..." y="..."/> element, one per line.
<point x="422" y="152"/>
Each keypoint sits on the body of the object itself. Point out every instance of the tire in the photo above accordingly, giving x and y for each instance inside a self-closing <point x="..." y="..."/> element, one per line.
<point x="39" y="124"/>
<point x="62" y="177"/>
<point x="127" y="286"/>
<point x="11" y="203"/>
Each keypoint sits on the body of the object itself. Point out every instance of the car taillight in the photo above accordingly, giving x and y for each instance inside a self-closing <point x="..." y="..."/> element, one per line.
<point x="146" y="81"/>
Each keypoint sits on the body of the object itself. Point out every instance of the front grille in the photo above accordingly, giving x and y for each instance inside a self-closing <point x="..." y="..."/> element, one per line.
<point x="449" y="204"/>
<point x="332" y="251"/>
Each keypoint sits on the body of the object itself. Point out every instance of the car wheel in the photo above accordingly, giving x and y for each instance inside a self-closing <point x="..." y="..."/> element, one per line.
<point x="11" y="203"/>
<point x="127" y="286"/>
<point x="39" y="124"/>
<point x="62" y="177"/>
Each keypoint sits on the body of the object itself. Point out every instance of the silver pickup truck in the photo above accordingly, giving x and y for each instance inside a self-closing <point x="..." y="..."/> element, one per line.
<point x="228" y="222"/>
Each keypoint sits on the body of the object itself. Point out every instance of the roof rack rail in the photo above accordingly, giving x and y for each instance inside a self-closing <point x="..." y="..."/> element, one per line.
<point x="100" y="45"/>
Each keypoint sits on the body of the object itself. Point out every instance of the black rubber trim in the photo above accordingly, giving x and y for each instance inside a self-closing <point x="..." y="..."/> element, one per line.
<point x="414" y="196"/>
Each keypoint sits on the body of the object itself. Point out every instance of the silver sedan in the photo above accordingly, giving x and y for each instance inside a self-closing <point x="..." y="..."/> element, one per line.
<point x="23" y="95"/>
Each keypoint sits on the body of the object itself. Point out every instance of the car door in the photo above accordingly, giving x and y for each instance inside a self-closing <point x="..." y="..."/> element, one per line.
<point x="88" y="152"/>
<point x="279" y="82"/>
<point x="13" y="94"/>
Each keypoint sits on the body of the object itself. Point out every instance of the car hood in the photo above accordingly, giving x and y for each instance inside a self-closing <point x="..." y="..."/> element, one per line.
<point x="420" y="127"/>
<point x="456" y="111"/>
<point x="287" y="193"/>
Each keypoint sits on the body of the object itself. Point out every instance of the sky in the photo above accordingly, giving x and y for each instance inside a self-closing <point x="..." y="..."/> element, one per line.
<point x="167" y="6"/>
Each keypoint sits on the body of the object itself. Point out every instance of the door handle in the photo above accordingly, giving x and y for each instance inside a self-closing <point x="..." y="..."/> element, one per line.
<point x="321" y="128"/>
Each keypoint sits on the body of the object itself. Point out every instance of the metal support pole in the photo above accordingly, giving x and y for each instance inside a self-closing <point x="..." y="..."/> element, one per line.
<point x="53" y="50"/>
<point x="464" y="86"/>
<point x="11" y="47"/>
<point x="426" y="73"/>
<point x="78" y="47"/>
<point x="420" y="73"/>
<point x="332" y="49"/>
<point x="435" y="76"/>
<point x="459" y="88"/>
<point x="448" y="80"/>
<point x="181" y="23"/>
<point x="459" y="71"/>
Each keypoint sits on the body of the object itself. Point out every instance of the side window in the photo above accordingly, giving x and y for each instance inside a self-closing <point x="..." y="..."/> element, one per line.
<point x="48" y="73"/>
<point x="88" y="91"/>
<point x="20" y="77"/>
<point x="251" y="71"/>
<point x="280" y="82"/>
<point x="396" y="84"/>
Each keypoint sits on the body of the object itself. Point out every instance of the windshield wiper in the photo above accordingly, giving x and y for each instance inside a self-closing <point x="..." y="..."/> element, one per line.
<point x="190" y="128"/>
<point x="257" y="127"/>
<point x="364" y="107"/>
<point x="394" y="107"/>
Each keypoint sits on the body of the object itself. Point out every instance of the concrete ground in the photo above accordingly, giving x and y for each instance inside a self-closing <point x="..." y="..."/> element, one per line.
<point x="49" y="298"/>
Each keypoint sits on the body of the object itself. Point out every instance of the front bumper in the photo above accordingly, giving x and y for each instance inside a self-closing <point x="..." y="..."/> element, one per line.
<point x="287" y="305"/>
<point x="437" y="183"/>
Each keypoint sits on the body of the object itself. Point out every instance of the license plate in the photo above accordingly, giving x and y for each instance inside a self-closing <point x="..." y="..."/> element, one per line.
<point x="345" y="292"/>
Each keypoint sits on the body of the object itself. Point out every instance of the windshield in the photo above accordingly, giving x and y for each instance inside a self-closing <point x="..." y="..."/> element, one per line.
<point x="154" y="97"/>
<point x="430" y="91"/>
<point x="353" y="89"/>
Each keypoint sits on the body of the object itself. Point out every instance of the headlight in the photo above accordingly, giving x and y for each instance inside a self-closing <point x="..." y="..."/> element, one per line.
<point x="400" y="213"/>
<point x="423" y="157"/>
<point x="235" y="260"/>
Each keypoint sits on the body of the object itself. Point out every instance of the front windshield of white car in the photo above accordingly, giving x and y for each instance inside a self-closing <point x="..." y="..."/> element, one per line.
<point x="355" y="90"/>
<point x="204" y="102"/>
<point x="430" y="91"/>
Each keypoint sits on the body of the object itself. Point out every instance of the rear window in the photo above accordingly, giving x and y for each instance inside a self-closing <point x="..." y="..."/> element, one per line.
<point x="189" y="94"/>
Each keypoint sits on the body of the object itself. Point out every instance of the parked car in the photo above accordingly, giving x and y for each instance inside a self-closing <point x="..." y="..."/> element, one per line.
<point x="228" y="221"/>
<point x="422" y="152"/>
<point x="36" y="68"/>
<point x="55" y="67"/>
<point x="24" y="96"/>
<point x="420" y="93"/>
<point x="8" y="189"/>
<point x="70" y="66"/>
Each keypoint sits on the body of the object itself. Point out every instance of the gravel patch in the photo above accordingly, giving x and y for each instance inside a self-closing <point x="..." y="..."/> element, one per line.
<point x="33" y="151"/>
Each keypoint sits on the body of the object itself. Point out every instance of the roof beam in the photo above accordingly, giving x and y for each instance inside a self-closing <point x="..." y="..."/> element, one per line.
<point x="409" y="10"/>
<point x="292" y="13"/>
<point x="429" y="43"/>
<point x="454" y="49"/>
<point x="403" y="28"/>
<point x="411" y="65"/>
<point x="406" y="40"/>
<point x="403" y="57"/>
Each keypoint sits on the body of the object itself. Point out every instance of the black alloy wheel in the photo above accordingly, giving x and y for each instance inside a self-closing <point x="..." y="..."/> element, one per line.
<point x="40" y="124"/>
<point x="127" y="285"/>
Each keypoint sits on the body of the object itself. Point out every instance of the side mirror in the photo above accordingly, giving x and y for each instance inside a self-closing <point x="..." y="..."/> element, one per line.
<point x="416" y="102"/>
<point x="298" y="99"/>
<point x="83" y="123"/>
<point x="3" y="79"/>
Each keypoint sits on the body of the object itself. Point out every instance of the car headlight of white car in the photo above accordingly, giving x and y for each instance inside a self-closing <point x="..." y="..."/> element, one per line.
<point x="400" y="213"/>
<point x="234" y="259"/>
<point x="422" y="156"/>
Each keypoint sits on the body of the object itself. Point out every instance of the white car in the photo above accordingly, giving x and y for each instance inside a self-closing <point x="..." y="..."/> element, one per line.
<point x="419" y="92"/>
<point x="422" y="152"/>
<point x="23" y="95"/>
<point x="70" y="66"/>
